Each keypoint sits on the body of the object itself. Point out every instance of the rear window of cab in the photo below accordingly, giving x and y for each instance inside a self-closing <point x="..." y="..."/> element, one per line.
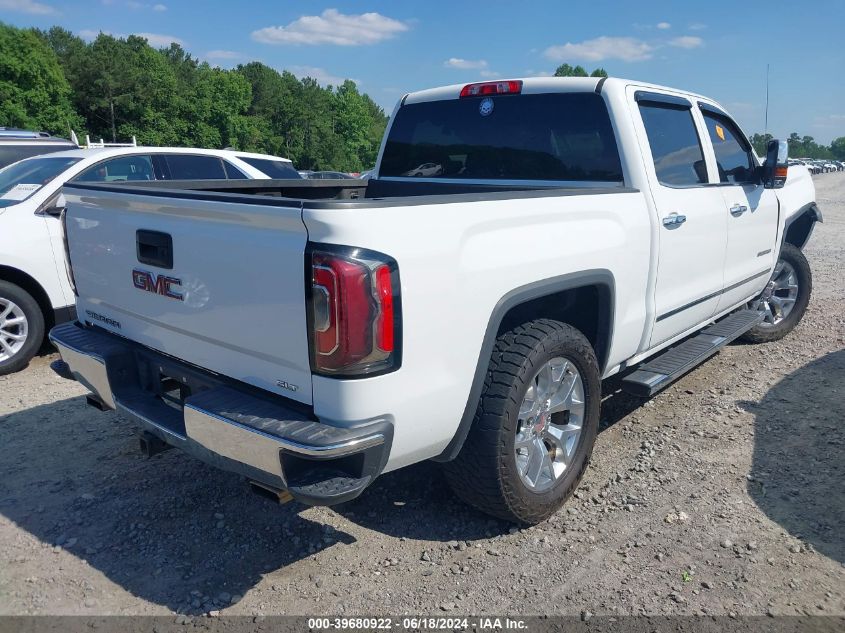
<point x="554" y="136"/>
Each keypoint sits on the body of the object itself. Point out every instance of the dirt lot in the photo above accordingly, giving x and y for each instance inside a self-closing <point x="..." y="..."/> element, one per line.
<point x="724" y="494"/>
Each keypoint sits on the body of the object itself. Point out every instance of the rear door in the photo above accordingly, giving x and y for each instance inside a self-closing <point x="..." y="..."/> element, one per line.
<point x="750" y="209"/>
<point x="218" y="284"/>
<point x="691" y="216"/>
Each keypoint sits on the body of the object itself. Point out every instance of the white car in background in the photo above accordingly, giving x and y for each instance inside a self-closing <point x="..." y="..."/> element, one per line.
<point x="35" y="290"/>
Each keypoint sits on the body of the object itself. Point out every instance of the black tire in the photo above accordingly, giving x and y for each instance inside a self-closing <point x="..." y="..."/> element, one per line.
<point x="485" y="474"/>
<point x="768" y="333"/>
<point x="35" y="327"/>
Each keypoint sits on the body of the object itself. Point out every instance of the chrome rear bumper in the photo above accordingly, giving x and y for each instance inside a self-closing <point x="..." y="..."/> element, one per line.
<point x="233" y="426"/>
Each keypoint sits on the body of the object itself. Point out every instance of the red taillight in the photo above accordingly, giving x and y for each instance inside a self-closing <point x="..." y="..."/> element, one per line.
<point x="492" y="88"/>
<point x="384" y="323"/>
<point x="353" y="313"/>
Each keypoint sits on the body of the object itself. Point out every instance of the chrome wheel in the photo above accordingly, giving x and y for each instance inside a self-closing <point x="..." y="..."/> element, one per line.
<point x="550" y="421"/>
<point x="13" y="329"/>
<point x="779" y="296"/>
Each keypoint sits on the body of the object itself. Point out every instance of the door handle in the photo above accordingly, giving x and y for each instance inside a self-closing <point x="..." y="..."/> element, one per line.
<point x="674" y="219"/>
<point x="738" y="209"/>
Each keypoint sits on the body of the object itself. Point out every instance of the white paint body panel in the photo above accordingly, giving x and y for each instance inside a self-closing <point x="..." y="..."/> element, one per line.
<point x="242" y="282"/>
<point x="453" y="277"/>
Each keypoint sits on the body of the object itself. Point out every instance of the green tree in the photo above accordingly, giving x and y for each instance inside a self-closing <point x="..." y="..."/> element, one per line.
<point x="351" y="123"/>
<point x="34" y="93"/>
<point x="124" y="87"/>
<point x="837" y="148"/>
<point x="760" y="143"/>
<point x="565" y="70"/>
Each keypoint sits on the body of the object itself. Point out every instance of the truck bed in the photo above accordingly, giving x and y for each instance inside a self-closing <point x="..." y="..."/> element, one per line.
<point x="345" y="192"/>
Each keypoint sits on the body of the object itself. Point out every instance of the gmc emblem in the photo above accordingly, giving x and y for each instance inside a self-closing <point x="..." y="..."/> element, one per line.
<point x="158" y="284"/>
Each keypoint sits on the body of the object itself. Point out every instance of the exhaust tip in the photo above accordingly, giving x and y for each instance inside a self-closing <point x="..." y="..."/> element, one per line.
<point x="275" y="495"/>
<point x="152" y="445"/>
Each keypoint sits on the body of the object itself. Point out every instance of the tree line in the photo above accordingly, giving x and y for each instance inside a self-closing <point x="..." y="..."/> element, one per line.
<point x="116" y="88"/>
<point x="802" y="146"/>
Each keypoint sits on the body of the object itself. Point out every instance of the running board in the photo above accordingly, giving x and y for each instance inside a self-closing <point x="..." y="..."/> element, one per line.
<point x="665" y="369"/>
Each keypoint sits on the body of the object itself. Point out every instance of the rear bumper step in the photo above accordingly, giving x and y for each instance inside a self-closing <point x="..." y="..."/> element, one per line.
<point x="666" y="368"/>
<point x="265" y="438"/>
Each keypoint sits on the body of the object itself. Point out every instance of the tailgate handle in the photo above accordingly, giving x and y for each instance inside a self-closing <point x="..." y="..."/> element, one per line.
<point x="155" y="248"/>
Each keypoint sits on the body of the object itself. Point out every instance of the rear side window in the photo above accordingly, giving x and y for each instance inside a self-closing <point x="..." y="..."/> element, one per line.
<point x="733" y="153"/>
<point x="188" y="167"/>
<point x="272" y="168"/>
<point x="675" y="146"/>
<point x="505" y="137"/>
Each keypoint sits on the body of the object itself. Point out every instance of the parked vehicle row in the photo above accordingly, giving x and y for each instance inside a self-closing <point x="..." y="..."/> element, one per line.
<point x="35" y="290"/>
<point x="518" y="242"/>
<point x="818" y="166"/>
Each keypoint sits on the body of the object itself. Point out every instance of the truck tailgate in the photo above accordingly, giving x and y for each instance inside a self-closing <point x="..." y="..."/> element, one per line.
<point x="233" y="299"/>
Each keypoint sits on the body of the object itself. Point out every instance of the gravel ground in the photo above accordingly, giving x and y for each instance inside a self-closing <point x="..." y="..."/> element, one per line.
<point x="722" y="495"/>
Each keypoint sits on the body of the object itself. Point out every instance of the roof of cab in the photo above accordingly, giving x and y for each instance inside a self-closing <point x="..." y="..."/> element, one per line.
<point x="540" y="85"/>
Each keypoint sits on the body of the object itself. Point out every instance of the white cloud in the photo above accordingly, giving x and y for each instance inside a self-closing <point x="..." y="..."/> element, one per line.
<point x="489" y="73"/>
<point x="91" y="34"/>
<point x="27" y="6"/>
<point x="686" y="41"/>
<point x="226" y="55"/>
<point x="697" y="26"/>
<point x="663" y="26"/>
<point x="133" y="4"/>
<point x="156" y="40"/>
<point x="627" y="49"/>
<point x="465" y="64"/>
<point x="830" y="121"/>
<point x="333" y="27"/>
<point x="323" y="77"/>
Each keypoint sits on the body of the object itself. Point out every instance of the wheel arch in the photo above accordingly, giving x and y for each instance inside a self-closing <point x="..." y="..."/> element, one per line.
<point x="584" y="300"/>
<point x="30" y="285"/>
<point x="800" y="227"/>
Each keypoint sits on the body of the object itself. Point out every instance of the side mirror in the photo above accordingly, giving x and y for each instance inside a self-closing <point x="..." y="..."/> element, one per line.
<point x="54" y="207"/>
<point x="775" y="167"/>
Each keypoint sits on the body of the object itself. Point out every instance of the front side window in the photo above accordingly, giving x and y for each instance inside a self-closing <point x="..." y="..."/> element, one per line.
<point x="675" y="147"/>
<point x="188" y="167"/>
<point x="21" y="180"/>
<point x="733" y="154"/>
<point x="121" y="169"/>
<point x="554" y="136"/>
<point x="232" y="172"/>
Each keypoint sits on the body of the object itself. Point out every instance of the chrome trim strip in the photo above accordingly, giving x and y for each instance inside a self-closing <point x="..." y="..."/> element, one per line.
<point x="712" y="295"/>
<point x="330" y="450"/>
<point x="89" y="369"/>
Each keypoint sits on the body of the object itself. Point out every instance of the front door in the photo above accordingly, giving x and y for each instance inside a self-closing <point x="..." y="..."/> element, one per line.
<point x="692" y="231"/>
<point x="750" y="209"/>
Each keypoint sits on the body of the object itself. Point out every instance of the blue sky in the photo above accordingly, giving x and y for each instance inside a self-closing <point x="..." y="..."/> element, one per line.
<point x="718" y="48"/>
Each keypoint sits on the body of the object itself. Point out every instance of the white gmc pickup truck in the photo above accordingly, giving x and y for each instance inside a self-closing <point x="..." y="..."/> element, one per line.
<point x="519" y="242"/>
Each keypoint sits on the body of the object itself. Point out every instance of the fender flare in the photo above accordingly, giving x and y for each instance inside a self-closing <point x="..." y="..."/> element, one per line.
<point x="535" y="290"/>
<point x="809" y="212"/>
